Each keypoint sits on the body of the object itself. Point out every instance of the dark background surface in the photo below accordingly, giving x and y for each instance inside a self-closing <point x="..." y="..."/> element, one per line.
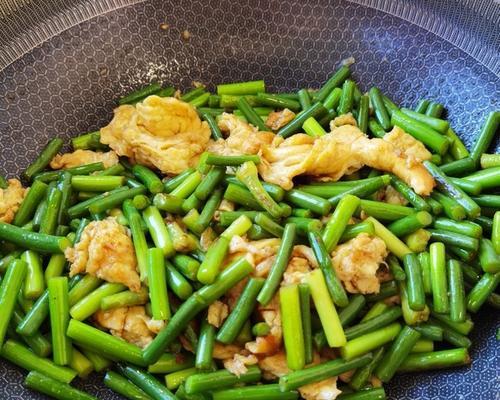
<point x="69" y="85"/>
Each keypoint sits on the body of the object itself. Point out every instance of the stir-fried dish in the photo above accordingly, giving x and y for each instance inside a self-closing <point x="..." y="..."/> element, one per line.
<point x="250" y="245"/>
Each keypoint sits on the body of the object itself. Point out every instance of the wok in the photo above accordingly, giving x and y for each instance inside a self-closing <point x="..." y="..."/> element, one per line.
<point x="65" y="64"/>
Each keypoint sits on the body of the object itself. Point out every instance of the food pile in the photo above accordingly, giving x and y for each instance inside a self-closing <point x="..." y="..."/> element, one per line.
<point x="252" y="245"/>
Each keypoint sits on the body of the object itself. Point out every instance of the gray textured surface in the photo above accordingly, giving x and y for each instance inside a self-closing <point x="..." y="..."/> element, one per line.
<point x="467" y="24"/>
<point x="69" y="85"/>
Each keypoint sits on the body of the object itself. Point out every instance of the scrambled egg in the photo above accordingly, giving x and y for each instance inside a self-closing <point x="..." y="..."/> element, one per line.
<point x="285" y="159"/>
<point x="82" y="157"/>
<point x="225" y="205"/>
<point x="322" y="390"/>
<point x="296" y="271"/>
<point x="129" y="323"/>
<point x="357" y="261"/>
<point x="217" y="313"/>
<point x="242" y="138"/>
<point x="256" y="252"/>
<point x="10" y="200"/>
<point x="160" y="132"/>
<point x="391" y="196"/>
<point x="275" y="366"/>
<point x="270" y="343"/>
<point x="234" y="357"/>
<point x="106" y="251"/>
<point x="343" y="151"/>
<point x="402" y="155"/>
<point x="237" y="365"/>
<point x="232" y="295"/>
<point x="306" y="253"/>
<point x="225" y="351"/>
<point x="261" y="254"/>
<point x="407" y="146"/>
<point x="344" y="119"/>
<point x="302" y="261"/>
<point x="278" y="119"/>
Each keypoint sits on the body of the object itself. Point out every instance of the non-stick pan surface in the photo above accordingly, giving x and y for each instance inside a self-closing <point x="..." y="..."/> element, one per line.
<point x="69" y="85"/>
